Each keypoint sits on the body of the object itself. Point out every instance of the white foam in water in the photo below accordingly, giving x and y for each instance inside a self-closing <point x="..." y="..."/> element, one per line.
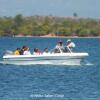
<point x="87" y="63"/>
<point x="1" y="62"/>
<point x="90" y="64"/>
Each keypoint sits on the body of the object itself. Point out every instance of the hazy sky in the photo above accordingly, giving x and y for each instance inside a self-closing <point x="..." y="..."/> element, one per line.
<point x="84" y="8"/>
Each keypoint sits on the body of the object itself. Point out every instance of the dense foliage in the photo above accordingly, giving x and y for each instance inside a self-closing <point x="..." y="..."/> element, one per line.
<point x="43" y="25"/>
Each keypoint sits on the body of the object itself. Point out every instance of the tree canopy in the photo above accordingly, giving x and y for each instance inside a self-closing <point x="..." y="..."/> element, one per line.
<point x="43" y="25"/>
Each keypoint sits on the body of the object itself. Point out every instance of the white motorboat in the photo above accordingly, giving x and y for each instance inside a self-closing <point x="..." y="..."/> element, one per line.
<point x="63" y="57"/>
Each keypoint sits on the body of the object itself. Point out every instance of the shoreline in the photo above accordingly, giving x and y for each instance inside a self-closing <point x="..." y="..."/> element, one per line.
<point x="56" y="37"/>
<point x="50" y="37"/>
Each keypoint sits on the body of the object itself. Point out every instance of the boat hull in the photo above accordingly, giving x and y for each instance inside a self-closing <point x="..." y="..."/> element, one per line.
<point x="54" y="59"/>
<point x="51" y="62"/>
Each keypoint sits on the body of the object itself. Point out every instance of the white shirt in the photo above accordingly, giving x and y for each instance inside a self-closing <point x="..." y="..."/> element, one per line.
<point x="45" y="53"/>
<point x="26" y="53"/>
<point x="58" y="46"/>
<point x="71" y="45"/>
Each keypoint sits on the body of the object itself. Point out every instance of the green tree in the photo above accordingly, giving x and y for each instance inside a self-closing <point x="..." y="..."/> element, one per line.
<point x="18" y="22"/>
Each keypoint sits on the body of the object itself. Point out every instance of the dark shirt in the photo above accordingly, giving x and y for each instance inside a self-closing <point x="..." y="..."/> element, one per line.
<point x="21" y="52"/>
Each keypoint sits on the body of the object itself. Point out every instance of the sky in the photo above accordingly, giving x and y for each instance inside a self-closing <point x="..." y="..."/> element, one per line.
<point x="63" y="8"/>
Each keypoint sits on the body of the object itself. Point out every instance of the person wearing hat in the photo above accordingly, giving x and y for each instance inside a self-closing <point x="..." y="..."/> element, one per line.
<point x="70" y="44"/>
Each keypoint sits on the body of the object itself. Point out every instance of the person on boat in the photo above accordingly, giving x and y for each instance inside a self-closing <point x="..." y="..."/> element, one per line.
<point x="17" y="52"/>
<point x="26" y="51"/>
<point x="22" y="50"/>
<point x="70" y="44"/>
<point x="36" y="51"/>
<point x="59" y="46"/>
<point x="46" y="51"/>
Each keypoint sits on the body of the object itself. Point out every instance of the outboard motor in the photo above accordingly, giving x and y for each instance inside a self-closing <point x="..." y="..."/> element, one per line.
<point x="8" y="52"/>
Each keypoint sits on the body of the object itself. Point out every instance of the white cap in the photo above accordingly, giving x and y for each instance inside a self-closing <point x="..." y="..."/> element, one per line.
<point x="68" y="40"/>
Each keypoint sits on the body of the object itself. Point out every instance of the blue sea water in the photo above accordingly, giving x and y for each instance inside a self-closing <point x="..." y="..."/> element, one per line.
<point x="51" y="82"/>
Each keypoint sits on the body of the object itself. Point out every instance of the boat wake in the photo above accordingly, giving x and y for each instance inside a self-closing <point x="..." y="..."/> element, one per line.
<point x="89" y="64"/>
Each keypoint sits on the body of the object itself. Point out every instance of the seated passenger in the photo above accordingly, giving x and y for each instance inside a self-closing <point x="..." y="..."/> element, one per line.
<point x="22" y="50"/>
<point x="17" y="52"/>
<point x="46" y="51"/>
<point x="26" y="51"/>
<point x="59" y="47"/>
<point x="36" y="51"/>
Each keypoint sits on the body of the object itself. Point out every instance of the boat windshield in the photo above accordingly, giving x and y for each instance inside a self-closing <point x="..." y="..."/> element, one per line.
<point x="63" y="50"/>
